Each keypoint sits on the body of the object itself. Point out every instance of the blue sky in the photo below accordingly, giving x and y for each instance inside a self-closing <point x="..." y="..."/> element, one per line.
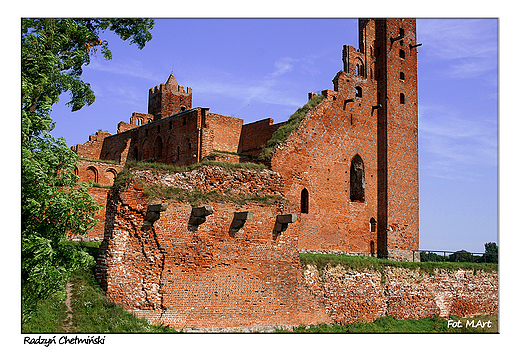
<point x="258" y="68"/>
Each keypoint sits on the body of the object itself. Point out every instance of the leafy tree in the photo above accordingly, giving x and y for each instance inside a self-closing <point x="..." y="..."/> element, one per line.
<point x="461" y="256"/>
<point x="491" y="253"/>
<point x="53" y="204"/>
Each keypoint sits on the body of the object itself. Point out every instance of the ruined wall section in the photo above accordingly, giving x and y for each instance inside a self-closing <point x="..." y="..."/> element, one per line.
<point x="254" y="136"/>
<point x="351" y="295"/>
<point x="92" y="148"/>
<point x="210" y="275"/>
<point x="318" y="157"/>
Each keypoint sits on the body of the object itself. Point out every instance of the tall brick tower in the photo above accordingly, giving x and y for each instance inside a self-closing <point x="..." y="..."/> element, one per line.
<point x="391" y="57"/>
<point x="168" y="99"/>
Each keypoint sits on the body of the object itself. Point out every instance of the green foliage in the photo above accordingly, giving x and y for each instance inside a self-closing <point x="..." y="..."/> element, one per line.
<point x="281" y="134"/>
<point x="54" y="52"/>
<point x="371" y="263"/>
<point x="94" y="313"/>
<point x="175" y="169"/>
<point x="53" y="203"/>
<point x="197" y="198"/>
<point x="491" y="255"/>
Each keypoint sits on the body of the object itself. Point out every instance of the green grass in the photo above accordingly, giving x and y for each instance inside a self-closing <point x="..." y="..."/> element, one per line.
<point x="197" y="198"/>
<point x="92" y="311"/>
<point x="362" y="262"/>
<point x="389" y="324"/>
<point x="175" y="169"/>
<point x="99" y="160"/>
<point x="282" y="133"/>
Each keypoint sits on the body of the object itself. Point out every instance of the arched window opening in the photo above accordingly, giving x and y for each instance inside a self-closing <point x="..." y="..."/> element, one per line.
<point x="373" y="224"/>
<point x="401" y="98"/>
<point x="357" y="180"/>
<point x="304" y="200"/>
<point x="359" y="92"/>
<point x="91" y="175"/>
<point x="111" y="175"/>
<point x="402" y="54"/>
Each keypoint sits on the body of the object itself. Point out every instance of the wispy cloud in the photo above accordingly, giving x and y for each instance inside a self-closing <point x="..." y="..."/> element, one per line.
<point x="128" y="67"/>
<point x="468" y="47"/>
<point x="454" y="147"/>
<point x="266" y="89"/>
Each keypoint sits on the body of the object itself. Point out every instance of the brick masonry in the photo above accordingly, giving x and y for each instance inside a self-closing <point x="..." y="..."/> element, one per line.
<point x="349" y="296"/>
<point x="205" y="276"/>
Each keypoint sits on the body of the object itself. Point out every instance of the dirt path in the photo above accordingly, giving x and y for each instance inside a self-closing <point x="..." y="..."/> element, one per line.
<point x="67" y="327"/>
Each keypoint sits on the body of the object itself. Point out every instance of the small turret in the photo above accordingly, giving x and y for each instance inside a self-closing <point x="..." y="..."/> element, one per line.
<point x="168" y="99"/>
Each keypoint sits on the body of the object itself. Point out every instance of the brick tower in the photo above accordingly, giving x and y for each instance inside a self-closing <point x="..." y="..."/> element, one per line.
<point x="390" y="50"/>
<point x="168" y="99"/>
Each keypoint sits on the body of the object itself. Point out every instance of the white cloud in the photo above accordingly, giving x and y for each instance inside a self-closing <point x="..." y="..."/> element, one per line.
<point x="128" y="67"/>
<point x="448" y="39"/>
<point x="456" y="146"/>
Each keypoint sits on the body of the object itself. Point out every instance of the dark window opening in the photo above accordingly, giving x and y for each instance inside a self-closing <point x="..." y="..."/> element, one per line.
<point x="357" y="179"/>
<point x="401" y="98"/>
<point x="401" y="76"/>
<point x="373" y="224"/>
<point x="359" y="92"/>
<point x="402" y="54"/>
<point x="304" y="206"/>
<point x="401" y="32"/>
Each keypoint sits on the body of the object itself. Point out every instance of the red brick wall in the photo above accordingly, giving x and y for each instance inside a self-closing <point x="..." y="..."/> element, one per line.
<point x="98" y="172"/>
<point x="256" y="134"/>
<point x="349" y="296"/>
<point x="204" y="278"/>
<point x="92" y="148"/>
<point x="363" y="116"/>
<point x="226" y="132"/>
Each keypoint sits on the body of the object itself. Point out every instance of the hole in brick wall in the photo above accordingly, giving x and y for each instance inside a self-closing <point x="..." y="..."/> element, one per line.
<point x="401" y="98"/>
<point x="402" y="54"/>
<point x="359" y="92"/>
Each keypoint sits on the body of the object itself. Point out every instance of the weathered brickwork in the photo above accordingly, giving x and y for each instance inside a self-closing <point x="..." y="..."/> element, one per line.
<point x="352" y="295"/>
<point x="212" y="274"/>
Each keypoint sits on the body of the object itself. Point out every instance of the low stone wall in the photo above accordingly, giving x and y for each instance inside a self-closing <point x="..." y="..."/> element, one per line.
<point x="349" y="296"/>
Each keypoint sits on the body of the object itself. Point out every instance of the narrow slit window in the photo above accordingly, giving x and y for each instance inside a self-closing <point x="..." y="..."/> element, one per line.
<point x="373" y="224"/>
<point x="401" y="98"/>
<point x="304" y="200"/>
<point x="401" y="76"/>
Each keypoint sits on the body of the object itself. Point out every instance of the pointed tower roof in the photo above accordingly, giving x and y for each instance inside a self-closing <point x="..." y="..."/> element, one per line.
<point x="171" y="81"/>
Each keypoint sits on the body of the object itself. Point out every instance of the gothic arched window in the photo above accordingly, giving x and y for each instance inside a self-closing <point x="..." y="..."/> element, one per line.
<point x="357" y="179"/>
